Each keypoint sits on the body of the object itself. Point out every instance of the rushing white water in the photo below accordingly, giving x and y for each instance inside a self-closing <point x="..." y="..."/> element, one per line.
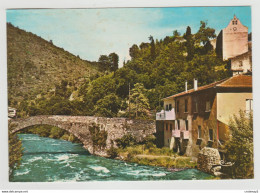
<point x="52" y="160"/>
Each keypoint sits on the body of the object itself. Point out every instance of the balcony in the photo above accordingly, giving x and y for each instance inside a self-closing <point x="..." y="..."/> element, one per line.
<point x="165" y="115"/>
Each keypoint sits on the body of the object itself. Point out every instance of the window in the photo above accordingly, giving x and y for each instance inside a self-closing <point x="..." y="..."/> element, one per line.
<point x="249" y="105"/>
<point x="199" y="132"/>
<point x="167" y="108"/>
<point x="234" y="22"/>
<point x="211" y="134"/>
<point x="177" y="106"/>
<point x="240" y="63"/>
<point x="170" y="107"/>
<point x="195" y="105"/>
<point x="187" y="125"/>
<point x="208" y="106"/>
<point x="186" y="105"/>
<point x="178" y="124"/>
<point x="166" y="126"/>
<point x="170" y="127"/>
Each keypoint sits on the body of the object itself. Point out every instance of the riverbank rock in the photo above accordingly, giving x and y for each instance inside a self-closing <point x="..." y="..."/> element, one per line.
<point x="209" y="160"/>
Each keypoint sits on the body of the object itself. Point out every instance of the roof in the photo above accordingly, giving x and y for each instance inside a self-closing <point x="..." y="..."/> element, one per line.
<point x="239" y="81"/>
<point x="248" y="53"/>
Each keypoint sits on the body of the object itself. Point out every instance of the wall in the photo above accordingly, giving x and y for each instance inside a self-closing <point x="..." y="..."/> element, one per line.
<point x="231" y="103"/>
<point x="207" y="120"/>
<point x="235" y="40"/>
<point x="168" y="133"/>
<point x="241" y="63"/>
<point x="160" y="133"/>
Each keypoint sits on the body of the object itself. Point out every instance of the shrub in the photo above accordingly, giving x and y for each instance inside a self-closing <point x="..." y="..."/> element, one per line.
<point x="112" y="152"/>
<point x="240" y="146"/>
<point x="98" y="137"/>
<point x="126" y="140"/>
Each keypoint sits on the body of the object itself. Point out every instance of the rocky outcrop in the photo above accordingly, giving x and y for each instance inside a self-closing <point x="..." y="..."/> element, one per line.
<point x="79" y="126"/>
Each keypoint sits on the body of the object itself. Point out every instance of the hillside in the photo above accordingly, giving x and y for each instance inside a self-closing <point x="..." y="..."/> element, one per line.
<point x="36" y="65"/>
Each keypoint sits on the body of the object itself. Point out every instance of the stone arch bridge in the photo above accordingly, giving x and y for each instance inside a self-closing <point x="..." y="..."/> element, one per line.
<point x="79" y="127"/>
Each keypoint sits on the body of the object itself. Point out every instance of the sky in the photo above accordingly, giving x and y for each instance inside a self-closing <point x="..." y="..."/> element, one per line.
<point x="90" y="33"/>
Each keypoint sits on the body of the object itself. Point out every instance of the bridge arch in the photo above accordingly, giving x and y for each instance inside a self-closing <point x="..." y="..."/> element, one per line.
<point x="56" y="121"/>
<point x="79" y="126"/>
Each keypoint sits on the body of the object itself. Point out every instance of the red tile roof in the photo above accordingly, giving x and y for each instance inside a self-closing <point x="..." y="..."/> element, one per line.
<point x="239" y="81"/>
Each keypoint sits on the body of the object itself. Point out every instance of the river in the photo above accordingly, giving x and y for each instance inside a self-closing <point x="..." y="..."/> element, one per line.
<point x="53" y="160"/>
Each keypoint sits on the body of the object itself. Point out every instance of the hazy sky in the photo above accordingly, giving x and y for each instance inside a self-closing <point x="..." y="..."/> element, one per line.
<point x="90" y="33"/>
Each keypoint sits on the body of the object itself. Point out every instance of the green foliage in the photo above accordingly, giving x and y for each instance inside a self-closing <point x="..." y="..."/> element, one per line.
<point x="15" y="150"/>
<point x="109" y="62"/>
<point x="114" y="59"/>
<point x="152" y="52"/>
<point x="153" y="156"/>
<point x="126" y="140"/>
<point x="204" y="34"/>
<point x="107" y="106"/>
<point x="112" y="152"/>
<point x="98" y="136"/>
<point x="240" y="146"/>
<point x="139" y="104"/>
<point x="133" y="51"/>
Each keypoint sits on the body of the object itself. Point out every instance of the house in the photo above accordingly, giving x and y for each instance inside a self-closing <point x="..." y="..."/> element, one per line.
<point x="199" y="117"/>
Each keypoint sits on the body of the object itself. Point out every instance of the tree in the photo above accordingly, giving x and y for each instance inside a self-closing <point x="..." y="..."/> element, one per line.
<point x="107" y="106"/>
<point x="133" y="51"/>
<point x="204" y="35"/>
<point x="152" y="51"/>
<point x="139" y="102"/>
<point x="114" y="59"/>
<point x="189" y="43"/>
<point x="175" y="34"/>
<point x="240" y="146"/>
<point x="104" y="60"/>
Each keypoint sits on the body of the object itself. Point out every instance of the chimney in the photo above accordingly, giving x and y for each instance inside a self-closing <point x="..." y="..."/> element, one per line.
<point x="195" y="84"/>
<point x="186" y="86"/>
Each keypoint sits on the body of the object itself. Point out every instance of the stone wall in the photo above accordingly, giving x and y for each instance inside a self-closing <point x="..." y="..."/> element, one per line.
<point x="209" y="160"/>
<point x="79" y="126"/>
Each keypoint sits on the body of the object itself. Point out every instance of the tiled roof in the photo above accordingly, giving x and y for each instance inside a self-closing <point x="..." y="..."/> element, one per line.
<point x="248" y="53"/>
<point x="239" y="81"/>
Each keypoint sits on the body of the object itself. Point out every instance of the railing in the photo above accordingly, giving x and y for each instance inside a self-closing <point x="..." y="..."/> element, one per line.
<point x="166" y="115"/>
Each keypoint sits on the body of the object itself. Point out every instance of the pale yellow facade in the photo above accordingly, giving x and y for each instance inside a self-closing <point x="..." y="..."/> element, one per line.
<point x="229" y="104"/>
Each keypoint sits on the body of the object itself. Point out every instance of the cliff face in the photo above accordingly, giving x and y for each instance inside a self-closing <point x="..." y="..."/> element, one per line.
<point x="35" y="65"/>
